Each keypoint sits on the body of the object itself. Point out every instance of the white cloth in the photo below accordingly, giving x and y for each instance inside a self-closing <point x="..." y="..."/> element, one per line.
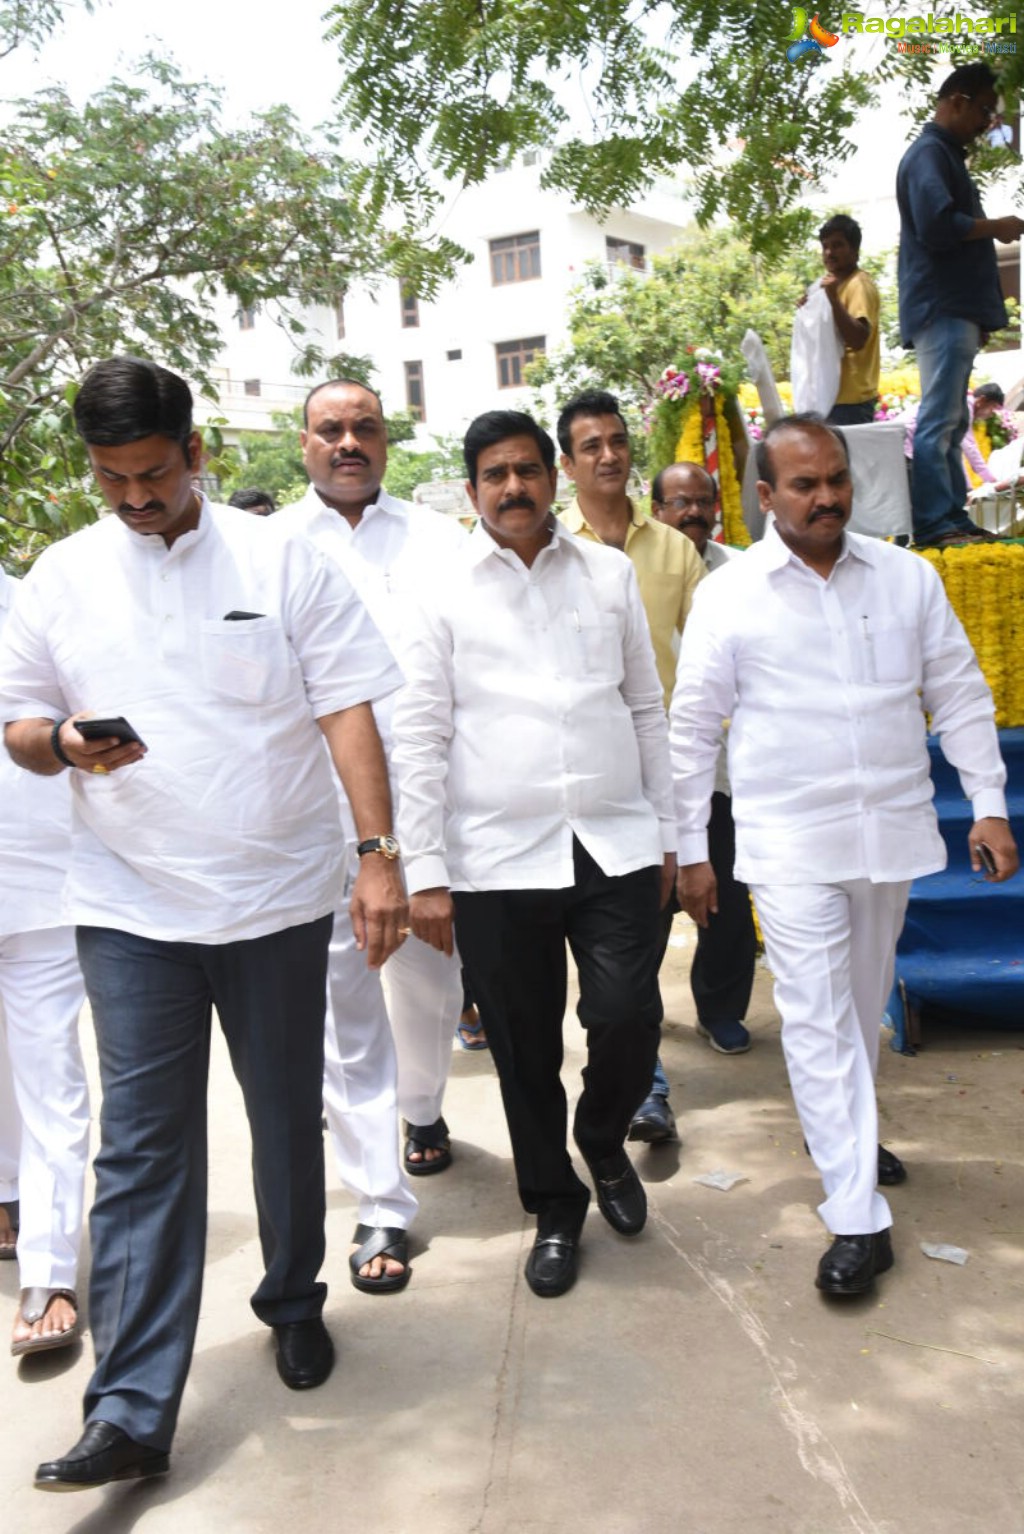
<point x="229" y="827"/>
<point x="533" y="713"/>
<point x="878" y="469"/>
<point x="831" y="948"/>
<point x="41" y="995"/>
<point x="825" y="684"/>
<point x="394" y="553"/>
<point x="815" y="353"/>
<point x="35" y="831"/>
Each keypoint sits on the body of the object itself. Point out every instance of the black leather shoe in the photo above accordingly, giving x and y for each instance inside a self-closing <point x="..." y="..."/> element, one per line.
<point x="890" y="1168"/>
<point x="103" y="1453"/>
<point x="851" y="1262"/>
<point x="620" y="1193"/>
<point x="552" y="1264"/>
<point x="653" y="1123"/>
<point x="305" y="1353"/>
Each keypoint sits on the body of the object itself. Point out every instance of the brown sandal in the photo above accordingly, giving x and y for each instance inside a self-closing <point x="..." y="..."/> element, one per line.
<point x="34" y="1305"/>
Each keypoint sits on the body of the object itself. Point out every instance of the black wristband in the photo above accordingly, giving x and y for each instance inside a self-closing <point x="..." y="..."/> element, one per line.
<point x="58" y="749"/>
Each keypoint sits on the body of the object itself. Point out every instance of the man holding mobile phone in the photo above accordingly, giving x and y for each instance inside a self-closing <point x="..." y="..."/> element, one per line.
<point x="825" y="650"/>
<point x="205" y="868"/>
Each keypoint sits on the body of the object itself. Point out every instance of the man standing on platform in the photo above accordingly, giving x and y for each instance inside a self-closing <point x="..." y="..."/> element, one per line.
<point x="535" y="798"/>
<point x="206" y="861"/>
<point x="950" y="296"/>
<point x="825" y="650"/>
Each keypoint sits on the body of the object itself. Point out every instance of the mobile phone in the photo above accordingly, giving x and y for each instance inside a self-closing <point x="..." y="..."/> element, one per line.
<point x="102" y="729"/>
<point x="988" y="861"/>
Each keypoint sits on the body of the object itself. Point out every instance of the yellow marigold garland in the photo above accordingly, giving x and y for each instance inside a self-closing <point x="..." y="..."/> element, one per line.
<point x="985" y="587"/>
<point x="690" y="449"/>
<point x="734" y="529"/>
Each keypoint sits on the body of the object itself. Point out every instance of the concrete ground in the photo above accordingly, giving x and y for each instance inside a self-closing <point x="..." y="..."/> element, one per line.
<point x="693" y="1382"/>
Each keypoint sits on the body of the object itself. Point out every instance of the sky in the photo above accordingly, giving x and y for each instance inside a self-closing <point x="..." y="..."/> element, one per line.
<point x="261" y="55"/>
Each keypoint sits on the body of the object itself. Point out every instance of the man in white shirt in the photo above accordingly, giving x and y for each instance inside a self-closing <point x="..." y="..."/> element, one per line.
<point x="825" y="650"/>
<point x="44" y="1100"/>
<point x="390" y="551"/>
<point x="530" y="747"/>
<point x="206" y="861"/>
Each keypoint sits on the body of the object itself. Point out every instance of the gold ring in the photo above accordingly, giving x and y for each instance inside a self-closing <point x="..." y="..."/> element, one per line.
<point x="99" y="767"/>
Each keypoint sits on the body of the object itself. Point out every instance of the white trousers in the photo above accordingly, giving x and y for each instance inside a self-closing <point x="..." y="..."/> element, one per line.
<point x="44" y="1132"/>
<point x="831" y="948"/>
<point x="424" y="991"/>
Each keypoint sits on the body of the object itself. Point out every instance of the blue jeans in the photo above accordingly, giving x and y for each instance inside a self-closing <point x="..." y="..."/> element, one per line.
<point x="945" y="350"/>
<point x="151" y="1004"/>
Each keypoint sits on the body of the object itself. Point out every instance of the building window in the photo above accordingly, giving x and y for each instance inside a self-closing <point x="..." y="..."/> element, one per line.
<point x="339" y="317"/>
<point x="625" y="253"/>
<point x="247" y="317"/>
<point x="516" y="259"/>
<point x="410" y="308"/>
<point x="415" y="402"/>
<point x="455" y="356"/>
<point x="252" y="386"/>
<point x="513" y="357"/>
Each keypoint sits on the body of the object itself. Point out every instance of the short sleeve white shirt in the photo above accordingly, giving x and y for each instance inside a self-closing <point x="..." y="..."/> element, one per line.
<point x="229" y="827"/>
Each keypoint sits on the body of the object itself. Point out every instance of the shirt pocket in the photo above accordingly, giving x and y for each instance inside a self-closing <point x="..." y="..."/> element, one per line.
<point x="599" y="645"/>
<point x="245" y="660"/>
<point x="893" y="651"/>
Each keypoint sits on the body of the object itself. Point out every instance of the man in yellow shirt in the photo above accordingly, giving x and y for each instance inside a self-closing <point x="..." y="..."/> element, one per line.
<point x="855" y="309"/>
<point x="597" y="458"/>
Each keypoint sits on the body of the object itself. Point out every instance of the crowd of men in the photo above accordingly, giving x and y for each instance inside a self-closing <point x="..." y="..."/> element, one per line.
<point x="299" y="768"/>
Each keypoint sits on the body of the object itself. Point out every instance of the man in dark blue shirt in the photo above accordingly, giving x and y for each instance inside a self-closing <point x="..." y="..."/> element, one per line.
<point x="950" y="298"/>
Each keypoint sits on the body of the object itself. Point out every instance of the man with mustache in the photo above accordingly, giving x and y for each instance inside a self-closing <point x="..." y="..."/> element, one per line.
<point x="389" y="550"/>
<point x="206" y="859"/>
<point x="535" y="806"/>
<point x="597" y="458"/>
<point x="825" y="650"/>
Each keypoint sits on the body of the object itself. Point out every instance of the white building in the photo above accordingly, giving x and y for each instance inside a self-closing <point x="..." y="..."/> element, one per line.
<point x="465" y="351"/>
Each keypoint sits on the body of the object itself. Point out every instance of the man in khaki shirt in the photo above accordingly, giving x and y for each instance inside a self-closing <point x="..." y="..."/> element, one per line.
<point x="596" y="457"/>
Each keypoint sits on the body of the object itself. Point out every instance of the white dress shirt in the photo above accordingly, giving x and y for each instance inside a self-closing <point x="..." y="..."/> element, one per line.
<point x="35" y="832"/>
<point x="392" y="556"/>
<point x="826" y="685"/>
<point x="228" y="828"/>
<point x="533" y="713"/>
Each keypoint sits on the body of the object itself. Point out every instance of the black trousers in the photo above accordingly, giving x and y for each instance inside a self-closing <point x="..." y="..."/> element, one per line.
<point x="512" y="944"/>
<point x="722" y="973"/>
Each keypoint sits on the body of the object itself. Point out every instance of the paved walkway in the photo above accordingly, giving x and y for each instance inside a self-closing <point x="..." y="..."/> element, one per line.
<point x="693" y="1382"/>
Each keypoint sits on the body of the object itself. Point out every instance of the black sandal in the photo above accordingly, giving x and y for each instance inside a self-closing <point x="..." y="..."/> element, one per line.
<point x="380" y="1241"/>
<point x="423" y="1137"/>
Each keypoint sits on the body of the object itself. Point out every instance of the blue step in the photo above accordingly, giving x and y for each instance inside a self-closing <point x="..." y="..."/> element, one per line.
<point x="962" y="946"/>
